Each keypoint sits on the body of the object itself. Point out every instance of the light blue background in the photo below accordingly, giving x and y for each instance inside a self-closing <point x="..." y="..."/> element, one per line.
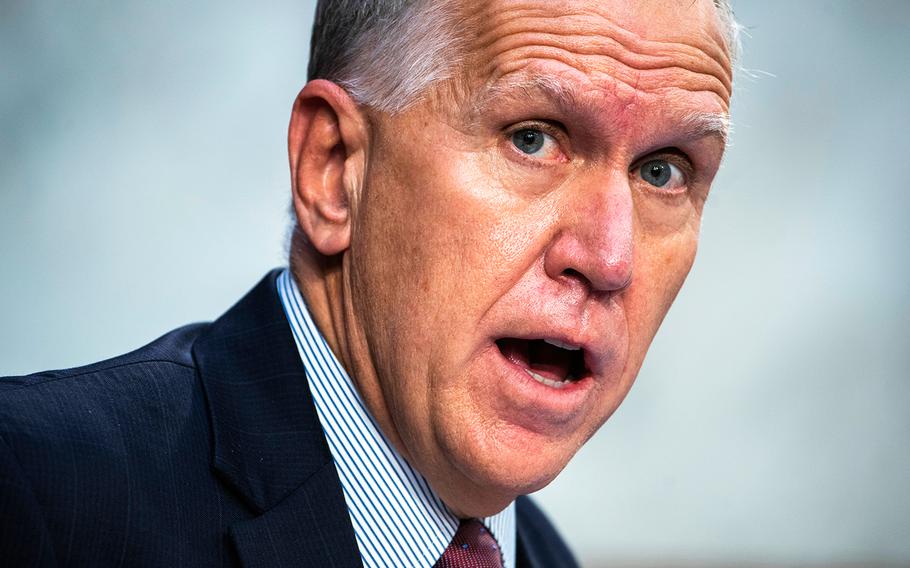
<point x="143" y="185"/>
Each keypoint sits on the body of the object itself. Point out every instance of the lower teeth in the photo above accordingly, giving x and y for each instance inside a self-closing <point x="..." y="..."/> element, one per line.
<point x="548" y="382"/>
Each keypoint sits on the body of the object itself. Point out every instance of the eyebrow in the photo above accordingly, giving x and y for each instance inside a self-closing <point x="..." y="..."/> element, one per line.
<point x="705" y="124"/>
<point x="693" y="125"/>
<point x="549" y="85"/>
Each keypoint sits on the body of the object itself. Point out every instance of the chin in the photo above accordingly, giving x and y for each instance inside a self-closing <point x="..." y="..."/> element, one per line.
<point x="502" y="434"/>
<point x="511" y="461"/>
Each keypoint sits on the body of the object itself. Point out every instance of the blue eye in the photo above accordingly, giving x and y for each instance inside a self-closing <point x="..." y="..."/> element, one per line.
<point x="659" y="173"/>
<point x="528" y="140"/>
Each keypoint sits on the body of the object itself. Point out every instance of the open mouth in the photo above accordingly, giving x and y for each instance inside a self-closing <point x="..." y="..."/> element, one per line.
<point x="547" y="361"/>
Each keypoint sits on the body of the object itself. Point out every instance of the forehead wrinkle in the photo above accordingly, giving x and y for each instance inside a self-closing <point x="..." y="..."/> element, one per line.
<point x="711" y="45"/>
<point x="643" y="64"/>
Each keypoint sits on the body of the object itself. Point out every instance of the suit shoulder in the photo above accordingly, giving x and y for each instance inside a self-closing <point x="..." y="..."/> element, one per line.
<point x="541" y="544"/>
<point x="92" y="413"/>
<point x="172" y="348"/>
<point x="83" y="449"/>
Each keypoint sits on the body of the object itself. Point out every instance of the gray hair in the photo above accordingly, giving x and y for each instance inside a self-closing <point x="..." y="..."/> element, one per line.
<point x="386" y="53"/>
<point x="731" y="28"/>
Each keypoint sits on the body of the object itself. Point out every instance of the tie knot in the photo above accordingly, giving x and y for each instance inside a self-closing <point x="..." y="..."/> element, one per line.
<point x="472" y="547"/>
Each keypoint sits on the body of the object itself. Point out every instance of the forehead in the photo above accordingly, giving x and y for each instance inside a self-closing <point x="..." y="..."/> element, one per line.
<point x="617" y="49"/>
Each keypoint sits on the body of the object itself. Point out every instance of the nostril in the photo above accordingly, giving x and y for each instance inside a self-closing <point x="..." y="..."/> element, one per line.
<point x="572" y="274"/>
<point x="599" y="285"/>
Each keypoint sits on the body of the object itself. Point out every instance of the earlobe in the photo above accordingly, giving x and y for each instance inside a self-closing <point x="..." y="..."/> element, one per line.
<point x="326" y="139"/>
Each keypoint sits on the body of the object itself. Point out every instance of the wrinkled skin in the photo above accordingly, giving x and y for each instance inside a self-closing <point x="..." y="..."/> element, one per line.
<point x="448" y="236"/>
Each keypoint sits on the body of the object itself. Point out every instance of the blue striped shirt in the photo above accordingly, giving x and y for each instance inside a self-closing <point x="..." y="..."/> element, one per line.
<point x="398" y="520"/>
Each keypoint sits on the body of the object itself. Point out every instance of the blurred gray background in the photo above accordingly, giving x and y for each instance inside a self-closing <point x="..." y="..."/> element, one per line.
<point x="143" y="185"/>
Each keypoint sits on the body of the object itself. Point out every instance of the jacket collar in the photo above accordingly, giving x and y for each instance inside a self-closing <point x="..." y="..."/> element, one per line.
<point x="268" y="441"/>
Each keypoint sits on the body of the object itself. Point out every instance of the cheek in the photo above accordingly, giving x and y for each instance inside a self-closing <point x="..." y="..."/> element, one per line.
<point x="427" y="250"/>
<point x="662" y="263"/>
<point x="447" y="229"/>
<point x="666" y="240"/>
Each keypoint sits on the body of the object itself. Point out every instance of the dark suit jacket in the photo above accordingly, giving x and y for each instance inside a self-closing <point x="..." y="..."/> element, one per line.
<point x="202" y="448"/>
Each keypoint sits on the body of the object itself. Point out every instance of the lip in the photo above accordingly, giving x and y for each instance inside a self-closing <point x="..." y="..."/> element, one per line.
<point x="535" y="405"/>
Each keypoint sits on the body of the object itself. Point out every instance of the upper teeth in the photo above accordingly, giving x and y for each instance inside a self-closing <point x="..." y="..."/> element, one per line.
<point x="562" y="345"/>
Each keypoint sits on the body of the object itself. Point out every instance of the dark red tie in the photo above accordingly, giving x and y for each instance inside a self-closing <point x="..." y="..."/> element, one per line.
<point x="472" y="547"/>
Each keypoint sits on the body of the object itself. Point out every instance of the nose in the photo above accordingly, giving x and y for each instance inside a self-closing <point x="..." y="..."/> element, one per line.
<point x="594" y="243"/>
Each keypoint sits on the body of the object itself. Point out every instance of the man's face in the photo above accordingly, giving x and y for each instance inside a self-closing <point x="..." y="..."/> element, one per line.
<point x="520" y="237"/>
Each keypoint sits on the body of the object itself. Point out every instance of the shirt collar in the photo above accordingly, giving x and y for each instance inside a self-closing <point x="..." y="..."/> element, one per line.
<point x="398" y="520"/>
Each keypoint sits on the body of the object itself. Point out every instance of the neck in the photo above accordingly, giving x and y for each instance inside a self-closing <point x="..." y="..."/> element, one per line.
<point x="324" y="284"/>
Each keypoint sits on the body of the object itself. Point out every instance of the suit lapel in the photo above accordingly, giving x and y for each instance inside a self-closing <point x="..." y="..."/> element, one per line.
<point x="310" y="528"/>
<point x="539" y="545"/>
<point x="268" y="442"/>
<point x="524" y="554"/>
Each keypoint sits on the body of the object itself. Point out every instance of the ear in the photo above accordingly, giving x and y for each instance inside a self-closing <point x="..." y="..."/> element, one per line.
<point x="326" y="143"/>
